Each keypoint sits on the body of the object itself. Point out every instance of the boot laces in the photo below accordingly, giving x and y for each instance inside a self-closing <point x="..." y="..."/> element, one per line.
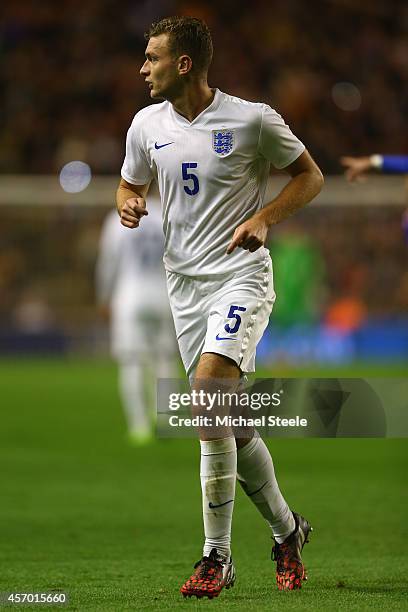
<point x="208" y="565"/>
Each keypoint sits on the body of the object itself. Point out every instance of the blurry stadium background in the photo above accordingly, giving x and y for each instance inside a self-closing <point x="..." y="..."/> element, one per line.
<point x="71" y="86"/>
<point x="337" y="71"/>
<point x="341" y="273"/>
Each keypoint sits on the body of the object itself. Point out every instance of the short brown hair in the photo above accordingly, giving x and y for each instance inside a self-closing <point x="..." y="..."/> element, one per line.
<point x="186" y="35"/>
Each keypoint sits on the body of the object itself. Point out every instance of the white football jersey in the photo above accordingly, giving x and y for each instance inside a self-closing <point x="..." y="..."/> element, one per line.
<point x="212" y="174"/>
<point x="129" y="269"/>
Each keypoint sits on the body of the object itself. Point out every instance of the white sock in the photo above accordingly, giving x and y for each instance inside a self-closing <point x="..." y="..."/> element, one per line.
<point x="257" y="477"/>
<point x="218" y="472"/>
<point x="132" y="391"/>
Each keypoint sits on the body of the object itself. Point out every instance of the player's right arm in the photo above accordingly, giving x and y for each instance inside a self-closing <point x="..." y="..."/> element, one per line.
<point x="136" y="175"/>
<point x="131" y="203"/>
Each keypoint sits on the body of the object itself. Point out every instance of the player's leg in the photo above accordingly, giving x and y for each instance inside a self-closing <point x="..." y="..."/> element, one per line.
<point x="218" y="458"/>
<point x="218" y="466"/>
<point x="137" y="377"/>
<point x="162" y="358"/>
<point x="190" y="309"/>
<point x="256" y="474"/>
<point x="237" y="323"/>
<point x="129" y="347"/>
<point x="132" y="378"/>
<point x="238" y="317"/>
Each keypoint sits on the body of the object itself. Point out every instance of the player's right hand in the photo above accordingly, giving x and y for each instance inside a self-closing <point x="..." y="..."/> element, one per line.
<point x="133" y="210"/>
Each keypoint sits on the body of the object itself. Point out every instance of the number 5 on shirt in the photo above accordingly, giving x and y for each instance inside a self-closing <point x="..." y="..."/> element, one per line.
<point x="190" y="176"/>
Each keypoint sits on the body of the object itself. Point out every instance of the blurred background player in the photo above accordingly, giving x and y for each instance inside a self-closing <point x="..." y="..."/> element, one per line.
<point x="358" y="167"/>
<point x="132" y="296"/>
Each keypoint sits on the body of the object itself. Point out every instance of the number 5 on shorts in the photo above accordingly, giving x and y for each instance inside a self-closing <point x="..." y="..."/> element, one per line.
<point x="232" y="314"/>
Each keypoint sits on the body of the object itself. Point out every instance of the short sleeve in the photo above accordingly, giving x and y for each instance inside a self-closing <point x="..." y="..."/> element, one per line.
<point x="277" y="143"/>
<point x="135" y="169"/>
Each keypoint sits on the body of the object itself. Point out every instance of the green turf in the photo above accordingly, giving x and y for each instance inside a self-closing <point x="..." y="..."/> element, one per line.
<point x="119" y="528"/>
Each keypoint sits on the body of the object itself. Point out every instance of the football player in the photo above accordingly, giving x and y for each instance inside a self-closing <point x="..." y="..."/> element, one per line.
<point x="210" y="153"/>
<point x="132" y="296"/>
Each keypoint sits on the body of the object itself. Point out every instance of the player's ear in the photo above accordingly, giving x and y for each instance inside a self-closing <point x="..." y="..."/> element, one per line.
<point x="184" y="64"/>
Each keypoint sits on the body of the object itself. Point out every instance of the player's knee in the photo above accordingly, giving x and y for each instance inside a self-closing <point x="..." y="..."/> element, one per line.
<point x="213" y="365"/>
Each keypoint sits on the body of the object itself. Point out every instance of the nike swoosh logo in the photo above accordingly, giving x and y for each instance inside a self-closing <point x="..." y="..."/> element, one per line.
<point x="218" y="337"/>
<point x="211" y="505"/>
<point x="257" y="491"/>
<point x="156" y="146"/>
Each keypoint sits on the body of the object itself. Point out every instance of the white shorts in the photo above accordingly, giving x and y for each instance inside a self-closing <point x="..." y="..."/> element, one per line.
<point x="225" y="314"/>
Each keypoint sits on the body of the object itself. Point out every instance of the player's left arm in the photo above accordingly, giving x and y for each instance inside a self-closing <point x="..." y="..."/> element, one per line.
<point x="306" y="182"/>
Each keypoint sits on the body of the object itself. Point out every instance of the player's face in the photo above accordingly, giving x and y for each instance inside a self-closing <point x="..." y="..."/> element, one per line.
<point x="160" y="68"/>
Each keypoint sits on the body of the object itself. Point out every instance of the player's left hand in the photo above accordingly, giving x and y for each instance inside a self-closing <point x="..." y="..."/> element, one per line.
<point x="250" y="235"/>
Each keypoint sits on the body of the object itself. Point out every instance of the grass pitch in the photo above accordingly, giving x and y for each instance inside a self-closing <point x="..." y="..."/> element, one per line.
<point x="119" y="528"/>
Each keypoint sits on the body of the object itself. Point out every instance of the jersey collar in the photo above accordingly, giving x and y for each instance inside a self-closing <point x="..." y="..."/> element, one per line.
<point x="203" y="117"/>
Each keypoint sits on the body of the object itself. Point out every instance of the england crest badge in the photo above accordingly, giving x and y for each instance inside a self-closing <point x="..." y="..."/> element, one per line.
<point x="222" y="142"/>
